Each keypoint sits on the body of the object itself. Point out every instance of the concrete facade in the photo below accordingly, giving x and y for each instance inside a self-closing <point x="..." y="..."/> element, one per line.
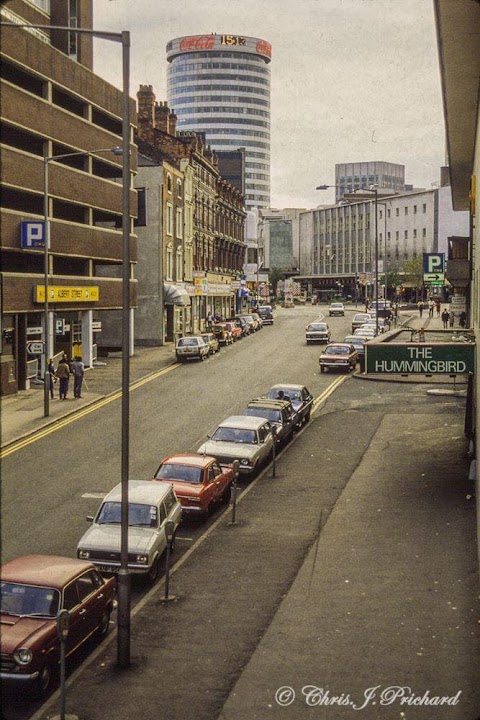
<point x="384" y="175"/>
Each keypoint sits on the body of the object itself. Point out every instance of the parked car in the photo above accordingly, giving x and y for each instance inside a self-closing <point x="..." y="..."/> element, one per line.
<point x="358" y="343"/>
<point x="317" y="332"/>
<point x="338" y="356"/>
<point x="258" y="319"/>
<point x="247" y="439"/>
<point x="359" y="319"/>
<point x="234" y="329"/>
<point x="198" y="480"/>
<point x="279" y="413"/>
<point x="34" y="589"/>
<point x="212" y="342"/>
<point x="300" y="397"/>
<point x="192" y="347"/>
<point x="336" y="308"/>
<point x="266" y="313"/>
<point x="150" y="507"/>
<point x="241" y="321"/>
<point x="253" y="322"/>
<point x="222" y="333"/>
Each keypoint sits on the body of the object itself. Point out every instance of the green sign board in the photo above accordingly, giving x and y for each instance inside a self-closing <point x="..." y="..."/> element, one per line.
<point x="419" y="358"/>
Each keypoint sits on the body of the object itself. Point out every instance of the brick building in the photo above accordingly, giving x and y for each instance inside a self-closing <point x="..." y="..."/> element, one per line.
<point x="53" y="104"/>
<point x="201" y="260"/>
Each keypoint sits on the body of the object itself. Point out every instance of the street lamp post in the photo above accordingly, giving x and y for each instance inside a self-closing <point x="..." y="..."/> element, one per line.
<point x="123" y="644"/>
<point x="350" y="197"/>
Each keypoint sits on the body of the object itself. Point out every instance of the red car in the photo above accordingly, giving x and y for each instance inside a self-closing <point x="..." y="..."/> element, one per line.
<point x="34" y="589"/>
<point x="198" y="480"/>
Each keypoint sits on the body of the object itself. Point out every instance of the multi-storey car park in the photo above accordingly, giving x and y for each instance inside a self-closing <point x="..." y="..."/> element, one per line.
<point x="220" y="85"/>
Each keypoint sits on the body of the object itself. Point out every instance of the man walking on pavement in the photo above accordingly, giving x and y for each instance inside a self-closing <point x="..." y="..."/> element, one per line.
<point x="78" y="370"/>
<point x="445" y="318"/>
<point x="63" y="374"/>
<point x="420" y="307"/>
<point x="431" y="306"/>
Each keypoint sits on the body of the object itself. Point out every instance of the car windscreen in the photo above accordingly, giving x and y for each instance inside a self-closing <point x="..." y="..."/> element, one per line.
<point x="336" y="306"/>
<point x="337" y="350"/>
<point x="268" y="413"/>
<point x="138" y="514"/>
<point x="187" y="342"/>
<point x="32" y="600"/>
<point x="318" y="327"/>
<point x="173" y="471"/>
<point x="235" y="435"/>
<point x="287" y="394"/>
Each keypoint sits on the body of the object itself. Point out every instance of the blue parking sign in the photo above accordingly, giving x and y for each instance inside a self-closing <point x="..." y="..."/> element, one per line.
<point x="32" y="234"/>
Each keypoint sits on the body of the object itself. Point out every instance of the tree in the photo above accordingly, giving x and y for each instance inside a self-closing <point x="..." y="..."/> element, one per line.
<point x="394" y="278"/>
<point x="274" y="275"/>
<point x="413" y="270"/>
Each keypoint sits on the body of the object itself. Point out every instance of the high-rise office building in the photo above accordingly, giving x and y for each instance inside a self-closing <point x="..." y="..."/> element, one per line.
<point x="352" y="176"/>
<point x="220" y="85"/>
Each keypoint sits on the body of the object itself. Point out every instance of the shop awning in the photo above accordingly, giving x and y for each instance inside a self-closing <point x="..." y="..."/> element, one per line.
<point x="175" y="295"/>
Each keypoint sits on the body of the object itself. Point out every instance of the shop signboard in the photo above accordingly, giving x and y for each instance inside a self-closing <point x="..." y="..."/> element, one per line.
<point x="419" y="358"/>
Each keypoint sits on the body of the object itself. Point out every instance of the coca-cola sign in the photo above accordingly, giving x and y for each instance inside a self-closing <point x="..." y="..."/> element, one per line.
<point x="264" y="48"/>
<point x="197" y="42"/>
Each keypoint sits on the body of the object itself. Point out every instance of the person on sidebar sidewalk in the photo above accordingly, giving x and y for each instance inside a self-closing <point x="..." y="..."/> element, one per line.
<point x="78" y="369"/>
<point x="51" y="374"/>
<point x="445" y="318"/>
<point x="63" y="374"/>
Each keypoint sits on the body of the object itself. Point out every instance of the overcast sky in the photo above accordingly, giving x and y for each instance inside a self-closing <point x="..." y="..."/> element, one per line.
<point x="352" y="80"/>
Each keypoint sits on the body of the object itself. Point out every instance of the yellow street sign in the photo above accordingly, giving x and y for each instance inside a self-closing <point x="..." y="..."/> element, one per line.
<point x="60" y="293"/>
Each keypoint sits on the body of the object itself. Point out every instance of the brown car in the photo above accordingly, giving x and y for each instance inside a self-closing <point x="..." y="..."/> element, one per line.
<point x="198" y="480"/>
<point x="338" y="356"/>
<point x="223" y="333"/>
<point x="34" y="589"/>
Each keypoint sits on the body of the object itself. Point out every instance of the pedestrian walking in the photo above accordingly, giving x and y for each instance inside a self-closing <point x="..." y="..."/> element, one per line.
<point x="51" y="376"/>
<point x="451" y="318"/>
<point x="438" y="306"/>
<point x="445" y="318"/>
<point x="63" y="374"/>
<point x="431" y="307"/>
<point x="78" y="370"/>
<point x="463" y="319"/>
<point x="420" y="307"/>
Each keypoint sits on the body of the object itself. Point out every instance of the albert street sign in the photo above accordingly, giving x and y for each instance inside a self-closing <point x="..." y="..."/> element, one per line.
<point x="419" y="358"/>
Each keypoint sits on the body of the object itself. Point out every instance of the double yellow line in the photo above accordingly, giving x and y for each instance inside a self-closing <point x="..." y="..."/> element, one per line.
<point x="63" y="422"/>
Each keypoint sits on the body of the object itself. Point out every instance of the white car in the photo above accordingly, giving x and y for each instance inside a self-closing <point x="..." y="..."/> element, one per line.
<point x="317" y="332"/>
<point x="336" y="308"/>
<point x="366" y="332"/>
<point x="244" y="438"/>
<point x="150" y="506"/>
<point x="192" y="347"/>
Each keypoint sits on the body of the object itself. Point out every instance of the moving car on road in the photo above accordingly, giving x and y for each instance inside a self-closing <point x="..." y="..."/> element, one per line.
<point x="198" y="480"/>
<point x="317" y="332"/>
<point x="247" y="439"/>
<point x="358" y="343"/>
<point x="338" y="356"/>
<point x="192" y="347"/>
<point x="279" y="413"/>
<point x="366" y="331"/>
<point x="34" y="589"/>
<point x="300" y="397"/>
<point x="150" y="507"/>
<point x="336" y="308"/>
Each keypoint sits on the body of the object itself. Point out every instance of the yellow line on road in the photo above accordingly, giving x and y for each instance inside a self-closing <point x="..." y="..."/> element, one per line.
<point x="326" y="393"/>
<point x="63" y="422"/>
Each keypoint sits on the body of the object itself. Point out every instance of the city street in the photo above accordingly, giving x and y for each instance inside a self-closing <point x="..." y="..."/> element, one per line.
<point x="231" y="582"/>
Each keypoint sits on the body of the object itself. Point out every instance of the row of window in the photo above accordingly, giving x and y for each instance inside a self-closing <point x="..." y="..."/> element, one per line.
<point x="180" y="90"/>
<point x="183" y="119"/>
<point x="178" y="68"/>
<point x="224" y="131"/>
<point x="397" y="211"/>
<point x="217" y="109"/>
<point x="204" y="77"/>
<point x="240" y="99"/>
<point x="215" y="54"/>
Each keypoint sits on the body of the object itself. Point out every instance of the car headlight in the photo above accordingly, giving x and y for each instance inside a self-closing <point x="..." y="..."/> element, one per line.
<point x="142" y="559"/>
<point x="23" y="656"/>
<point x="84" y="554"/>
<point x="245" y="461"/>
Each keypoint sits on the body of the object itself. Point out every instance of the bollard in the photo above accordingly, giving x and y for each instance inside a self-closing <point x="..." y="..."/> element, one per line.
<point x="169" y="534"/>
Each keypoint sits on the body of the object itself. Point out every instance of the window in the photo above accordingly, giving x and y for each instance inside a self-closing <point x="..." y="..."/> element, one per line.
<point x="179" y="189"/>
<point x="406" y="235"/>
<point x="179" y="265"/>
<point x="424" y="207"/>
<point x="179" y="223"/>
<point x="389" y="212"/>
<point x="141" y="220"/>
<point x="414" y="209"/>
<point x="397" y="211"/>
<point x="397" y="235"/>
<point x="169" y="501"/>
<point x="85" y="585"/>
<point x="424" y="232"/>
<point x="169" y="183"/>
<point x="414" y="234"/>
<point x="406" y="210"/>
<point x="70" y="597"/>
<point x="169" y="219"/>
<point x="380" y="215"/>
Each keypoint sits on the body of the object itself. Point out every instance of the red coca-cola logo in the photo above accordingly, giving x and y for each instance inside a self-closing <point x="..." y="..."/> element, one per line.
<point x="197" y="42"/>
<point x="264" y="48"/>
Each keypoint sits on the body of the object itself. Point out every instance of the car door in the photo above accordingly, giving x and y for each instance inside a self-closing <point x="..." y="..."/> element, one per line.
<point x="219" y="479"/>
<point x="90" y="588"/>
<point x="77" y="622"/>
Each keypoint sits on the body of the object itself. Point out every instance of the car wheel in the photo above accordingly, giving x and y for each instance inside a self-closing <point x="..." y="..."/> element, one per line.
<point x="44" y="681"/>
<point x="152" y="574"/>
<point x="322" y="369"/>
<point x="203" y="357"/>
<point x="103" y="625"/>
